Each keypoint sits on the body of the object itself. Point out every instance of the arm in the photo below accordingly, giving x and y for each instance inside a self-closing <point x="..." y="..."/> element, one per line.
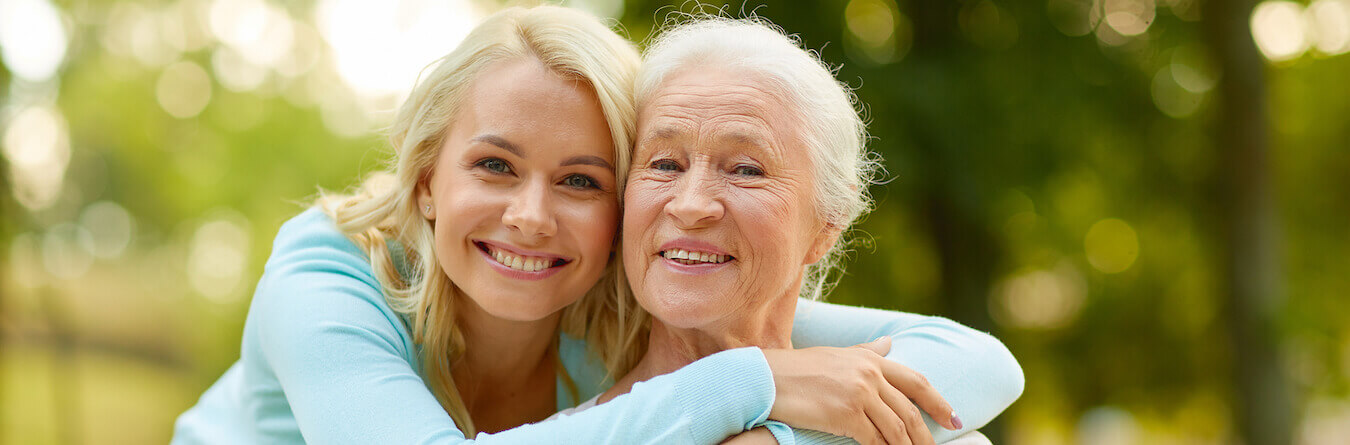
<point x="348" y="368"/>
<point x="972" y="370"/>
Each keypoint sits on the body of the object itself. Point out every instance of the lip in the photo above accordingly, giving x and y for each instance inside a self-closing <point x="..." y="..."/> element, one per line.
<point x="694" y="245"/>
<point x="520" y="274"/>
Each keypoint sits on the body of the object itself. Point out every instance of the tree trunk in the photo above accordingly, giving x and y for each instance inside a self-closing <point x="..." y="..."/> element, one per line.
<point x="1246" y="244"/>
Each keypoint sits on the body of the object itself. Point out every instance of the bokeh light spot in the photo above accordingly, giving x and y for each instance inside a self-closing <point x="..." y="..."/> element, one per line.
<point x="1129" y="17"/>
<point x="1170" y="97"/>
<point x="1107" y="425"/>
<point x="361" y="34"/>
<point x="878" y="30"/>
<point x="1039" y="299"/>
<point x="32" y="39"/>
<point x="1278" y="29"/>
<point x="217" y="258"/>
<point x="183" y="90"/>
<point x="67" y="251"/>
<point x="1111" y="245"/>
<point x="1330" y="22"/>
<point x="1192" y="69"/>
<point x="111" y="227"/>
<point x="37" y="145"/>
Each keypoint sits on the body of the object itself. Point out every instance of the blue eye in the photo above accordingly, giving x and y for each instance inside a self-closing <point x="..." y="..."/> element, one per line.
<point x="495" y="165"/>
<point x="747" y="170"/>
<point x="665" y="165"/>
<point x="581" y="182"/>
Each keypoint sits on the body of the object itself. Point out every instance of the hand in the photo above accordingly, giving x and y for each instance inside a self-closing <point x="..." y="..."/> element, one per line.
<point x="757" y="436"/>
<point x="855" y="392"/>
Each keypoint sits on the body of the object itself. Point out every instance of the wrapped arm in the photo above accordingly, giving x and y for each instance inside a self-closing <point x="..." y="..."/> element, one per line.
<point x="972" y="370"/>
<point x="348" y="369"/>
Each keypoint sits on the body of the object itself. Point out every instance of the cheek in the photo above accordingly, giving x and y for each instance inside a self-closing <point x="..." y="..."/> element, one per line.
<point x="642" y="203"/>
<point x="460" y="206"/>
<point x="772" y="223"/>
<point x="597" y="224"/>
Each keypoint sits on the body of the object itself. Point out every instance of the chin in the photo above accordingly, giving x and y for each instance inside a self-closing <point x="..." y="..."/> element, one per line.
<point x="683" y="311"/>
<point x="525" y="308"/>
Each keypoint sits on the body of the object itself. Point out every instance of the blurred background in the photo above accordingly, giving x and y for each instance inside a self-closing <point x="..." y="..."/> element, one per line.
<point x="1145" y="199"/>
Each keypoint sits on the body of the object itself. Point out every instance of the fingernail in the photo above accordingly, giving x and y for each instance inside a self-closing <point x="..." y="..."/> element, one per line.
<point x="956" y="421"/>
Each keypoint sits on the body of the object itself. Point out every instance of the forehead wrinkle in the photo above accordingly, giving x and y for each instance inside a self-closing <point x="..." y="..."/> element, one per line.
<point x="756" y="115"/>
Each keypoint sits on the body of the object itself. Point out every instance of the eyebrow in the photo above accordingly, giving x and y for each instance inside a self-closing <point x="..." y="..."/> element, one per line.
<point x="587" y="160"/>
<point x="500" y="142"/>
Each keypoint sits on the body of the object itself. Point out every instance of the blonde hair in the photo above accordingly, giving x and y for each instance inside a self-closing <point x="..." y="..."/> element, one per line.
<point x="835" y="135"/>
<point x="570" y="43"/>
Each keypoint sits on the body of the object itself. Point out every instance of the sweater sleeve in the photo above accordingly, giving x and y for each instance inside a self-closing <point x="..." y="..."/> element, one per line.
<point x="704" y="402"/>
<point x="349" y="370"/>
<point x="972" y="370"/>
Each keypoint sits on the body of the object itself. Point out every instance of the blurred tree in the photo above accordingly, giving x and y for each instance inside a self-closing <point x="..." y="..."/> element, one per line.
<point x="1248" y="228"/>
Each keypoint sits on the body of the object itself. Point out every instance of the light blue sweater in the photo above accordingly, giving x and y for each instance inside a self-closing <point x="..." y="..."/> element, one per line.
<point x="325" y="360"/>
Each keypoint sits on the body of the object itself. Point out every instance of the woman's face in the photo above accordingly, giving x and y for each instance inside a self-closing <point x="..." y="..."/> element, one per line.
<point x="719" y="216"/>
<point x="523" y="192"/>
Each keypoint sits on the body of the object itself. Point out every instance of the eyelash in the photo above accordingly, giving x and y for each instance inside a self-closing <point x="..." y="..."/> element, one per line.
<point x="657" y="164"/>
<point x="755" y="171"/>
<point x="591" y="183"/>
<point x="483" y="163"/>
<point x="739" y="169"/>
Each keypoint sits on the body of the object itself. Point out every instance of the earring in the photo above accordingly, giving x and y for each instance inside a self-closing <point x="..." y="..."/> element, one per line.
<point x="428" y="209"/>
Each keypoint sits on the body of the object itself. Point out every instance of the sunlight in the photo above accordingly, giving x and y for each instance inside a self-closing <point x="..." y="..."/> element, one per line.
<point x="1278" y="29"/>
<point x="37" y="145"/>
<point x="32" y="38"/>
<point x="380" y="47"/>
<point x="1330" y="21"/>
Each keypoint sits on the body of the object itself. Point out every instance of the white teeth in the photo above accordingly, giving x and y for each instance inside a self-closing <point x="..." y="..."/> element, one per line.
<point x="527" y="264"/>
<point x="694" y="257"/>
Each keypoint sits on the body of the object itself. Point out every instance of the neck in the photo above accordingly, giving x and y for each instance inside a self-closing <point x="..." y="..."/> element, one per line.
<point x="500" y="354"/>
<point x="670" y="348"/>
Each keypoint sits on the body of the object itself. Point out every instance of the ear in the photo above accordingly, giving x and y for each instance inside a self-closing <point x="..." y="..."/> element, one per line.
<point x="425" y="204"/>
<point x="825" y="240"/>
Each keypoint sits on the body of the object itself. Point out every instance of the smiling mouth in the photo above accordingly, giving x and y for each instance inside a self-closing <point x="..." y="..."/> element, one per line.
<point x="691" y="258"/>
<point x="519" y="262"/>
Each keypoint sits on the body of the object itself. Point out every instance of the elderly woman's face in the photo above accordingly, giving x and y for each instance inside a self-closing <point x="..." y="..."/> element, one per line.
<point x="719" y="216"/>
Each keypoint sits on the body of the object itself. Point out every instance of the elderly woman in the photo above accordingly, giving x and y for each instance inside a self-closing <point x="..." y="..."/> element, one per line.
<point x="750" y="164"/>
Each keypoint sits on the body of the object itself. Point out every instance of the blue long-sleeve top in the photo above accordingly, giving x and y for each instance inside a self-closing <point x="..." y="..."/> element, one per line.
<point x="324" y="359"/>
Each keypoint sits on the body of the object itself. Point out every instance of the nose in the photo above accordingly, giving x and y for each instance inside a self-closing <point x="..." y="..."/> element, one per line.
<point x="530" y="212"/>
<point x="696" y="202"/>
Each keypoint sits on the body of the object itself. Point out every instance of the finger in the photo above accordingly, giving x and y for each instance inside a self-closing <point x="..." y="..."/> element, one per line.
<point x="869" y="435"/>
<point x="887" y="420"/>
<point x="881" y="346"/>
<point x="915" y="386"/>
<point x="916" y="429"/>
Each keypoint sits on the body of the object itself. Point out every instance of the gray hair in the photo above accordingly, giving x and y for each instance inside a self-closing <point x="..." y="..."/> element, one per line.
<point x="834" y="132"/>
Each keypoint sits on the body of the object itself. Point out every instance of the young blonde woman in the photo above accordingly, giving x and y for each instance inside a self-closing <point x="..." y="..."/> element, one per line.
<point x="475" y="288"/>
